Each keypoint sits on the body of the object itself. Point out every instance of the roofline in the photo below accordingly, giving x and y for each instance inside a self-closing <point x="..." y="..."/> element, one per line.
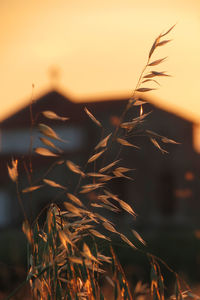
<point x="104" y="99"/>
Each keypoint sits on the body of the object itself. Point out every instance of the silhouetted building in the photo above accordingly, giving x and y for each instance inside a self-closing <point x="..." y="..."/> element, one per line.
<point x="165" y="189"/>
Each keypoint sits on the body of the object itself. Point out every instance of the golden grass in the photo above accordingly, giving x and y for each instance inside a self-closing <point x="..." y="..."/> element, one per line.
<point x="65" y="260"/>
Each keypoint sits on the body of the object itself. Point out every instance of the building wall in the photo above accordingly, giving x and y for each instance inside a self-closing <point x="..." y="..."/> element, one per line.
<point x="165" y="188"/>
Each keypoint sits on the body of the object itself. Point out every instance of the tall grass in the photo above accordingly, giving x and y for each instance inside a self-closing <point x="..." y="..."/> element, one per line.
<point x="66" y="260"/>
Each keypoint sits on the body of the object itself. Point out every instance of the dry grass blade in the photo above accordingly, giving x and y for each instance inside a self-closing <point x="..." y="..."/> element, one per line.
<point x="154" y="141"/>
<point x="107" y="202"/>
<point x="141" y="117"/>
<point x="126" y="207"/>
<point x="111" y="208"/>
<point x="105" y="178"/>
<point x="150" y="80"/>
<point x="109" y="227"/>
<point x="170" y="141"/>
<point x="126" y="240"/>
<point x="111" y="195"/>
<point x="74" y="199"/>
<point x="119" y="174"/>
<point x="54" y="184"/>
<point x="48" y="143"/>
<point x="102" y="257"/>
<point x="48" y="131"/>
<point x="126" y="143"/>
<point x="109" y="166"/>
<point x="45" y="152"/>
<point x="49" y="220"/>
<point x="27" y="231"/>
<point x="157" y="62"/>
<point x="64" y="238"/>
<point x="71" y="208"/>
<point x="152" y="133"/>
<point x="92" y="117"/>
<point x="162" y="138"/>
<point x="168" y="30"/>
<point x="31" y="188"/>
<point x="149" y="75"/>
<point x="90" y="187"/>
<point x="158" y="43"/>
<point x="76" y="260"/>
<point x="129" y="125"/>
<point x="96" y="175"/>
<point x="154" y="46"/>
<point x="159" y="73"/>
<point x="98" y="234"/>
<point x="74" y="168"/>
<point x="103" y="143"/>
<point x="123" y="169"/>
<point x="96" y="205"/>
<point x="136" y="234"/>
<point x="103" y="197"/>
<point x="139" y="102"/>
<point x="144" y="90"/>
<point x="100" y="217"/>
<point x="87" y="253"/>
<point x="12" y="171"/>
<point x="95" y="156"/>
<point x="163" y="43"/>
<point x="94" y="268"/>
<point x="52" y="115"/>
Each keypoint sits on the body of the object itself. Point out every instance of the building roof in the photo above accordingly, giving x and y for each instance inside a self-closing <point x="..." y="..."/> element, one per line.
<point x="62" y="105"/>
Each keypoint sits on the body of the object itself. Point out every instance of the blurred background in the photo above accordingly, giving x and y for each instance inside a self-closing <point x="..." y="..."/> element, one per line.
<point x="65" y="55"/>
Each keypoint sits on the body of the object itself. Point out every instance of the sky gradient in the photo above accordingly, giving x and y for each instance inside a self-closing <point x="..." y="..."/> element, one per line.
<point x="98" y="49"/>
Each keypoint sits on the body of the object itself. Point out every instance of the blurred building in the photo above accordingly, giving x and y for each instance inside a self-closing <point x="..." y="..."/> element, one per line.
<point x="165" y="190"/>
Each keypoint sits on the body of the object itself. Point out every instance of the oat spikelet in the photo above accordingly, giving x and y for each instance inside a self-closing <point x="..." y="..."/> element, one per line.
<point x="92" y="117"/>
<point x="12" y="171"/>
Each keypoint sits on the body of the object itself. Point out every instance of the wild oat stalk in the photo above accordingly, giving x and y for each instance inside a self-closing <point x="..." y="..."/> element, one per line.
<point x="66" y="261"/>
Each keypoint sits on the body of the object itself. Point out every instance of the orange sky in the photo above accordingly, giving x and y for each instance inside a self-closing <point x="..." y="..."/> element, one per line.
<point x="99" y="48"/>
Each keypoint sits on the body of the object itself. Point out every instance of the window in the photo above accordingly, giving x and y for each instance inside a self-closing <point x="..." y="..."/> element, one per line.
<point x="18" y="140"/>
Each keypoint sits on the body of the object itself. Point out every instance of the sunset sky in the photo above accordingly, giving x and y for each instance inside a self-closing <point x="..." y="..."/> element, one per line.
<point x="98" y="49"/>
